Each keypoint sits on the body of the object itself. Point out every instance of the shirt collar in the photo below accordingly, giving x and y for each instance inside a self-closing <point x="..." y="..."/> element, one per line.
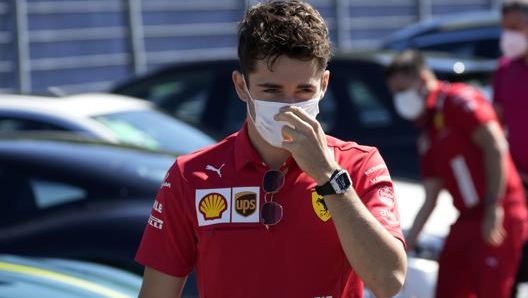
<point x="430" y="105"/>
<point x="430" y="101"/>
<point x="244" y="151"/>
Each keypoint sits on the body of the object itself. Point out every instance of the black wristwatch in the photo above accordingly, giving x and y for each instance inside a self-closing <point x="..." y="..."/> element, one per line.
<point x="339" y="183"/>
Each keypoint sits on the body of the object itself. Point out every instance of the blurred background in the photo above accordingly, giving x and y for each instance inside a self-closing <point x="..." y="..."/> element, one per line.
<point x="86" y="45"/>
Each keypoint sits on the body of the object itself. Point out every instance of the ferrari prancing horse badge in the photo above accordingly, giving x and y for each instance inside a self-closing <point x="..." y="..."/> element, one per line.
<point x="319" y="207"/>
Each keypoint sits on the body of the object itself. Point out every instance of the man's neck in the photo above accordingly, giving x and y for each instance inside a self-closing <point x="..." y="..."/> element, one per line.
<point x="273" y="157"/>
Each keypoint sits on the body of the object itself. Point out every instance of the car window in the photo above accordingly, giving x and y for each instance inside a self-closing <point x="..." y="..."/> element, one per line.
<point x="327" y="110"/>
<point x="479" y="42"/>
<point x="17" y="194"/>
<point x="487" y="48"/>
<point x="24" y="194"/>
<point x="49" y="193"/>
<point x="183" y="94"/>
<point x="371" y="112"/>
<point x="154" y="130"/>
<point x="10" y="124"/>
<point x="365" y="94"/>
<point x="235" y="112"/>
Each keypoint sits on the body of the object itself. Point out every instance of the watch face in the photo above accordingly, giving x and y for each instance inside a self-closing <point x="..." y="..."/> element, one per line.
<point x="341" y="182"/>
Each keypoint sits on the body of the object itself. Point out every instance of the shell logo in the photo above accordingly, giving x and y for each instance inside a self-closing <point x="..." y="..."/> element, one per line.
<point x="212" y="206"/>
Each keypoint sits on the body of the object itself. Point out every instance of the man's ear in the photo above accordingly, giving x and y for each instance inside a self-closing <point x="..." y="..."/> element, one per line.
<point x="240" y="85"/>
<point x="324" y="81"/>
<point x="423" y="76"/>
<point x="426" y="77"/>
<point x="525" y="29"/>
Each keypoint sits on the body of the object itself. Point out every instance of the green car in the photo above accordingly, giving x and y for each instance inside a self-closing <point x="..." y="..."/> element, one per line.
<point x="25" y="277"/>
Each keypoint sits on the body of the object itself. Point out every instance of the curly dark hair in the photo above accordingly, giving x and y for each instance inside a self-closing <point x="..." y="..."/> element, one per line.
<point x="275" y="28"/>
<point x="515" y="6"/>
<point x="408" y="62"/>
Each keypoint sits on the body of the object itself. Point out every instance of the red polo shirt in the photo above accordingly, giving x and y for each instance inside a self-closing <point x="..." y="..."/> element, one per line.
<point x="510" y="90"/>
<point x="448" y="152"/>
<point x="206" y="215"/>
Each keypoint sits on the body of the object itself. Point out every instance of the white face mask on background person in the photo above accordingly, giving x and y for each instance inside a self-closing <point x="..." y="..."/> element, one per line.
<point x="270" y="129"/>
<point x="513" y="44"/>
<point x="409" y="104"/>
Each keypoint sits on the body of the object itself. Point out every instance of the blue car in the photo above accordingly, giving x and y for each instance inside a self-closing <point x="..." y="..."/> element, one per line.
<point x="66" y="196"/>
<point x="468" y="34"/>
<point x="25" y="277"/>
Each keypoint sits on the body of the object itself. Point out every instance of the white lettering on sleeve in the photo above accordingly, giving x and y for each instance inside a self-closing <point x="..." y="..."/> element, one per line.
<point x="155" y="222"/>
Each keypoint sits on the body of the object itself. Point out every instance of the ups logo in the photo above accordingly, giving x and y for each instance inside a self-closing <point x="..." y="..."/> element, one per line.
<point x="246" y="203"/>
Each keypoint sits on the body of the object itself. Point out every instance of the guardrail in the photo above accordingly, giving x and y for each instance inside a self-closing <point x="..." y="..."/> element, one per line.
<point x="84" y="45"/>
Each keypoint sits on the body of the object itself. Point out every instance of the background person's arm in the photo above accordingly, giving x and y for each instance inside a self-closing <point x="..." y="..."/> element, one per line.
<point x="432" y="188"/>
<point x="491" y="140"/>
<point x="498" y="110"/>
<point x="160" y="285"/>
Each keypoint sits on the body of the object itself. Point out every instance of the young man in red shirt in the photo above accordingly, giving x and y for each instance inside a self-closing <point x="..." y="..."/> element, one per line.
<point x="278" y="209"/>
<point x="463" y="149"/>
<point x="510" y="95"/>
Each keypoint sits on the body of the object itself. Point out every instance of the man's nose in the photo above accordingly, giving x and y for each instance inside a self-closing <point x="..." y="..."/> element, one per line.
<point x="290" y="99"/>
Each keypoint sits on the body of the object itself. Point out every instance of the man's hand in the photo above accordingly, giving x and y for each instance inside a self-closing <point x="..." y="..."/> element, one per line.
<point x="306" y="141"/>
<point x="492" y="229"/>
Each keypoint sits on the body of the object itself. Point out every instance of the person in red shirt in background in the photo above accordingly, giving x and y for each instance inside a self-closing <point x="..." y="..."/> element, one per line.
<point x="510" y="96"/>
<point x="463" y="150"/>
<point x="277" y="209"/>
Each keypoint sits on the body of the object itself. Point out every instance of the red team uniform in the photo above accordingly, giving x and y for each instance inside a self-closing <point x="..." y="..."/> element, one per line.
<point x="510" y="90"/>
<point x="448" y="152"/>
<point x="207" y="216"/>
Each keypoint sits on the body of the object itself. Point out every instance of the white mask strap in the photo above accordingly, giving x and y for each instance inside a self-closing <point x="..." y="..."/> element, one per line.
<point x="251" y="98"/>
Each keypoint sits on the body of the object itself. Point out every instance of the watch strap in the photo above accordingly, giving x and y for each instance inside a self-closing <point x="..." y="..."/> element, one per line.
<point x="327" y="188"/>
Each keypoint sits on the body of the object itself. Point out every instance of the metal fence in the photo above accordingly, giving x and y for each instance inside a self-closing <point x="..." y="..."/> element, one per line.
<point x="86" y="45"/>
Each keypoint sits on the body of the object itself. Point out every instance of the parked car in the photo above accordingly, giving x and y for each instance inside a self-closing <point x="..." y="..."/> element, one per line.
<point x="357" y="105"/>
<point x="65" y="196"/>
<point x="108" y="117"/>
<point x="467" y="34"/>
<point x="29" y="277"/>
<point x="76" y="198"/>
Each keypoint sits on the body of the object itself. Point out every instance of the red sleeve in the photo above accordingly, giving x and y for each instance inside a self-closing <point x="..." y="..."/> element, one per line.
<point x="466" y="109"/>
<point x="374" y="186"/>
<point x="168" y="244"/>
<point x="427" y="161"/>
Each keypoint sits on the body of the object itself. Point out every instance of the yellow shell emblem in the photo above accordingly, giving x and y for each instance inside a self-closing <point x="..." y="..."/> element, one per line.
<point x="319" y="207"/>
<point x="212" y="206"/>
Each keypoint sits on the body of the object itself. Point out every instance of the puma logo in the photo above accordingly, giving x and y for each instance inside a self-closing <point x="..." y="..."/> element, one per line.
<point x="211" y="168"/>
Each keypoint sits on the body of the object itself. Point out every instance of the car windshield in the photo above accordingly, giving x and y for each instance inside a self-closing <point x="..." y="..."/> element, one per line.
<point x="154" y="130"/>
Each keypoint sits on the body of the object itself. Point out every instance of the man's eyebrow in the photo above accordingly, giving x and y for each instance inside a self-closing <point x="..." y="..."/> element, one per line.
<point x="277" y="86"/>
<point x="270" y="85"/>
<point x="304" y="86"/>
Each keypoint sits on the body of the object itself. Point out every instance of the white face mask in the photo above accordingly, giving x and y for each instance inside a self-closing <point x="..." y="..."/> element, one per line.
<point x="513" y="44"/>
<point x="270" y="129"/>
<point x="409" y="104"/>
